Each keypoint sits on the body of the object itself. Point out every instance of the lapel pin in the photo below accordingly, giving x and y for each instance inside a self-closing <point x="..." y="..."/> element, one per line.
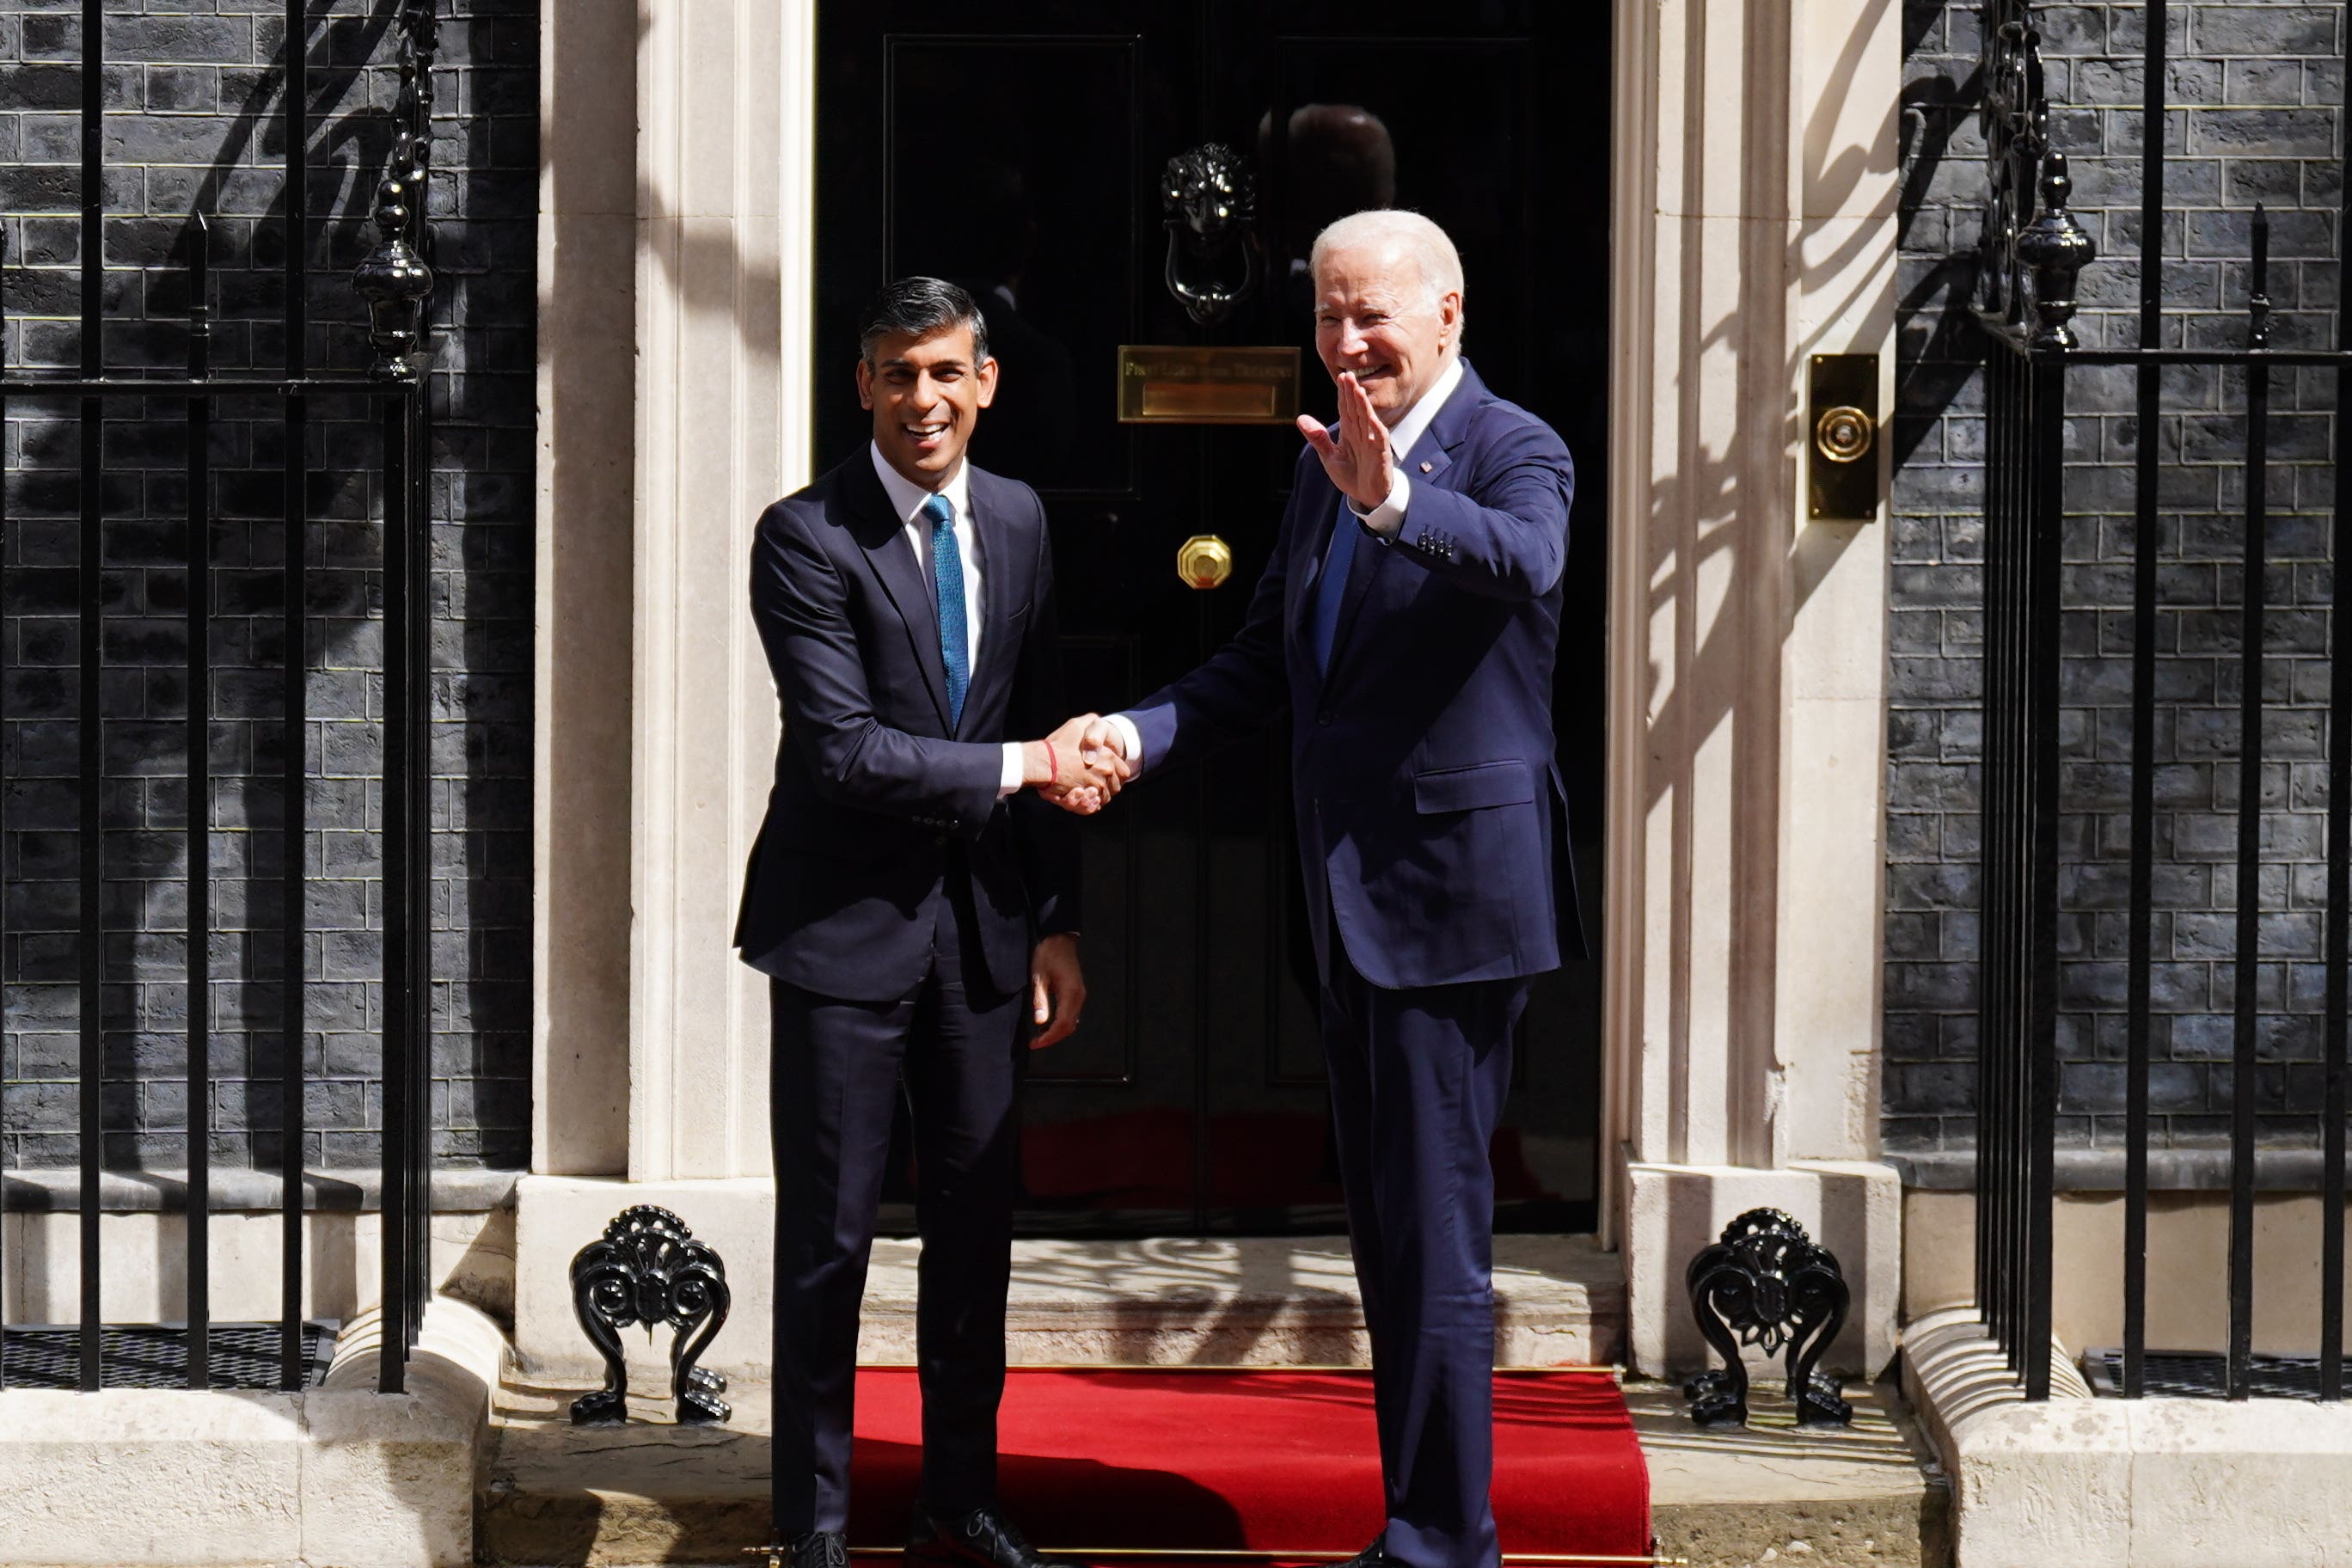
<point x="1425" y="466"/>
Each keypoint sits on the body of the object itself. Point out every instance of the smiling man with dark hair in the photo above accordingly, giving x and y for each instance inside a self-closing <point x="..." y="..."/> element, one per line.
<point x="906" y="899"/>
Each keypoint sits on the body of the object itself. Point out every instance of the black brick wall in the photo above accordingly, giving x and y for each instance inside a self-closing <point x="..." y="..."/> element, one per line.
<point x="2256" y="90"/>
<point x="193" y="124"/>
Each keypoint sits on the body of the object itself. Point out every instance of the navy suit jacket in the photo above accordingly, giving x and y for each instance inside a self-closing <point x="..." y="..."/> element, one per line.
<point x="1432" y="822"/>
<point x="875" y="791"/>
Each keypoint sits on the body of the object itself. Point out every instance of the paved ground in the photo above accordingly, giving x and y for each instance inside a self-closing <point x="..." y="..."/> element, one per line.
<point x="1867" y="1496"/>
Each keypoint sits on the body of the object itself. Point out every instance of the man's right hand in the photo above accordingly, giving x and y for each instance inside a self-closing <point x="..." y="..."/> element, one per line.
<point x="1102" y="751"/>
<point x="1074" y="769"/>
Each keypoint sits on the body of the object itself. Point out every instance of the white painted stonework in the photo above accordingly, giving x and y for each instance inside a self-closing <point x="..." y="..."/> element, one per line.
<point x="338" y="1476"/>
<point x="1755" y="193"/>
<point x="557" y="1216"/>
<point x="1756" y="190"/>
<point x="2124" y="1483"/>
<point x="726" y="187"/>
<point x="144" y="1277"/>
<point x="2187" y="1286"/>
<point x="583" y="711"/>
<point x="1854" y="1208"/>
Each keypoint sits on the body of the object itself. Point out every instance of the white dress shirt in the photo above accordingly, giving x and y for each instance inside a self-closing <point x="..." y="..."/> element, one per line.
<point x="907" y="500"/>
<point x="1383" y="520"/>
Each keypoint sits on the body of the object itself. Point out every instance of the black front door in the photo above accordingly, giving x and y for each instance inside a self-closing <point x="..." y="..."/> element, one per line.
<point x="1018" y="148"/>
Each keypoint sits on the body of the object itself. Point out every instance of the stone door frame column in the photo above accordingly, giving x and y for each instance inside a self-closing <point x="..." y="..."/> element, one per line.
<point x="676" y="279"/>
<point x="676" y="283"/>
<point x="585" y="583"/>
<point x="726" y="171"/>
<point x="1754" y="213"/>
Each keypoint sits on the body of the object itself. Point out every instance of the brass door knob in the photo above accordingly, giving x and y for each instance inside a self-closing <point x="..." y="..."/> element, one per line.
<point x="1204" y="561"/>
<point x="1844" y="433"/>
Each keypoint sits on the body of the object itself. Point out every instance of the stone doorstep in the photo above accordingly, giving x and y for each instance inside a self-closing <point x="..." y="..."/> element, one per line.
<point x="657" y="1493"/>
<point x="1560" y="1300"/>
<point x="338" y="1476"/>
<point x="2124" y="1483"/>
<point x="1258" y="1302"/>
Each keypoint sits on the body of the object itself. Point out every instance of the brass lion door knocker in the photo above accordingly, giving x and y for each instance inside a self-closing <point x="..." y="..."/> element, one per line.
<point x="1211" y="201"/>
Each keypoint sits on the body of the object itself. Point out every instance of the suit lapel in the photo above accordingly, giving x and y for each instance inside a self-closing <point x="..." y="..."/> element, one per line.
<point x="1363" y="570"/>
<point x="1364" y="567"/>
<point x="1309" y="570"/>
<point x="883" y="536"/>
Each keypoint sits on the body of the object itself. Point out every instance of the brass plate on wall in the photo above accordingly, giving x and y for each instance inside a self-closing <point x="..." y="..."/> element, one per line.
<point x="1842" y="433"/>
<point x="1179" y="383"/>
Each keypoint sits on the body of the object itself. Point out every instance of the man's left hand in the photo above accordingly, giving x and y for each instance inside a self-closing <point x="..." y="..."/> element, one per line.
<point x="1356" y="455"/>
<point x="1057" y="990"/>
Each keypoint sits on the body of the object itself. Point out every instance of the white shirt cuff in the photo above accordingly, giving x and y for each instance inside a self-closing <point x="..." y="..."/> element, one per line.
<point x="1388" y="517"/>
<point x="1130" y="738"/>
<point x="1009" y="781"/>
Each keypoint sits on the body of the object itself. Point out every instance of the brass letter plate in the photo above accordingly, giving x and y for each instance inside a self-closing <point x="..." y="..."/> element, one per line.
<point x="1182" y="384"/>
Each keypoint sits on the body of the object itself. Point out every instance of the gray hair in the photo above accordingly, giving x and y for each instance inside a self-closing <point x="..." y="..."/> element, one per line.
<point x="1397" y="232"/>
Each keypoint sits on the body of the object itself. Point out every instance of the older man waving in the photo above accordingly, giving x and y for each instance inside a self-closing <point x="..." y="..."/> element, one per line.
<point x="1408" y="623"/>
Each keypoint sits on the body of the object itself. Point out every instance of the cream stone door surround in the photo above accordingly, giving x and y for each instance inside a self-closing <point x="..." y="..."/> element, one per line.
<point x="674" y="354"/>
<point x="1754" y="224"/>
<point x="725" y="186"/>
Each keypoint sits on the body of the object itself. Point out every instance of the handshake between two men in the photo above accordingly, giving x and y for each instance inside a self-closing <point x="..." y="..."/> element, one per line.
<point x="1080" y="766"/>
<point x="921" y="937"/>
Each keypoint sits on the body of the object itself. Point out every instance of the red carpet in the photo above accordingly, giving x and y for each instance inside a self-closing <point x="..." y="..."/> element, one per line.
<point x="1272" y="1461"/>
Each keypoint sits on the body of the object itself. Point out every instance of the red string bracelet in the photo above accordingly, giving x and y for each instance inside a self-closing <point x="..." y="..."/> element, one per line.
<point x="1052" y="762"/>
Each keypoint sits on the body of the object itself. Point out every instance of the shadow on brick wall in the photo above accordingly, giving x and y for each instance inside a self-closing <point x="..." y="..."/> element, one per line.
<point x="180" y="87"/>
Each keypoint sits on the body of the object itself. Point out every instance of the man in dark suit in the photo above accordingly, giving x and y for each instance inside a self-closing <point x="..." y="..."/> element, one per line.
<point x="905" y="904"/>
<point x="1408" y="623"/>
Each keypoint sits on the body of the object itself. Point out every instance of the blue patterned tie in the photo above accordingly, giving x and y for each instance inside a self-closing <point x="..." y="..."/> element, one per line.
<point x="1331" y="587"/>
<point x="947" y="573"/>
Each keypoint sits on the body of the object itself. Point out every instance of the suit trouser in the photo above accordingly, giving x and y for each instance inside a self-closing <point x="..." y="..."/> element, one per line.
<point x="836" y="1067"/>
<point x="1418" y="1079"/>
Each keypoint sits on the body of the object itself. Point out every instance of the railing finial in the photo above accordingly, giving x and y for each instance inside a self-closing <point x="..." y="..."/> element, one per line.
<point x="2057" y="247"/>
<point x="2030" y="249"/>
<point x="395" y="280"/>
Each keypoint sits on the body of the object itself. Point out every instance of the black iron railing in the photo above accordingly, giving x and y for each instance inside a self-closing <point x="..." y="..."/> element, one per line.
<point x="2033" y="249"/>
<point x="396" y="284"/>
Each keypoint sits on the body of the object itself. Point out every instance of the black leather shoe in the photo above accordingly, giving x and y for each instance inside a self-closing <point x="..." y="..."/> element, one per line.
<point x="1369" y="1557"/>
<point x="820" y="1549"/>
<point x="981" y="1538"/>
